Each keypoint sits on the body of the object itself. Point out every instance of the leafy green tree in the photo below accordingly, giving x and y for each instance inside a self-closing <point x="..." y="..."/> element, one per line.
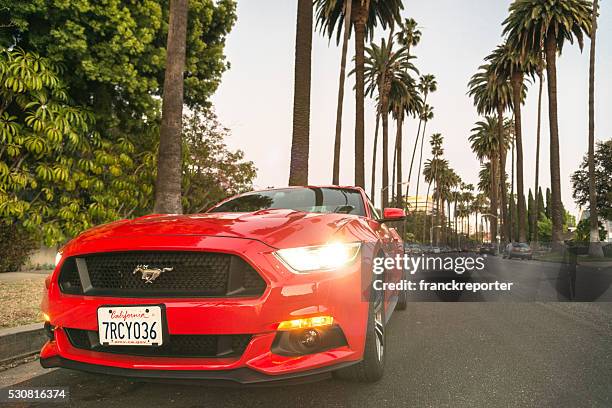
<point x="211" y="172"/>
<point x="58" y="175"/>
<point x="603" y="187"/>
<point x="545" y="229"/>
<point x="583" y="232"/>
<point x="116" y="52"/>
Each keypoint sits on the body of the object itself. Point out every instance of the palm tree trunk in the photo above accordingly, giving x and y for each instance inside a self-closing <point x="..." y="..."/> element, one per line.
<point x="416" y="143"/>
<point x="517" y="86"/>
<point x="448" y="223"/>
<point x="373" y="188"/>
<point x="536" y="212"/>
<point x="555" y="172"/>
<point x="348" y="5"/>
<point x="493" y="202"/>
<point x="169" y="160"/>
<point x="503" y="209"/>
<point x="595" y="248"/>
<point x="360" y="18"/>
<point x="425" y="214"/>
<point x="298" y="171"/>
<point x="512" y="208"/>
<point x="385" y="151"/>
<point x="400" y="124"/>
<point x="394" y="170"/>
<point x="416" y="197"/>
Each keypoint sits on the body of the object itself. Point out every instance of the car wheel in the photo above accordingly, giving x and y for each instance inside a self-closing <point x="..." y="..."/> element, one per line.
<point x="372" y="367"/>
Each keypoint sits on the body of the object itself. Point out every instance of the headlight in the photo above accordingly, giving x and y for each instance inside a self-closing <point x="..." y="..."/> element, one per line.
<point x="317" y="258"/>
<point x="58" y="258"/>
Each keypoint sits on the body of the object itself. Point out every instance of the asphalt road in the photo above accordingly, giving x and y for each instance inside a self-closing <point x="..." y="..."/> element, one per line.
<point x="465" y="354"/>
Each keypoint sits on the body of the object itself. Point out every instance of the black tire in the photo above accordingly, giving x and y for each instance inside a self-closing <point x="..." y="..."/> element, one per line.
<point x="372" y="367"/>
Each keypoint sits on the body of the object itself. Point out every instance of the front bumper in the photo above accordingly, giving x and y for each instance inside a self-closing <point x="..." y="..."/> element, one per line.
<point x="287" y="296"/>
<point x="245" y="376"/>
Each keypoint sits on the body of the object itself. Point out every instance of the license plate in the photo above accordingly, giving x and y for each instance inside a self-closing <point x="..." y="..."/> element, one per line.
<point x="130" y="325"/>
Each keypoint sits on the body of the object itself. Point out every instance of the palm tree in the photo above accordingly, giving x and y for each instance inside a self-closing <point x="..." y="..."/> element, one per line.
<point x="595" y="248"/>
<point x="492" y="94"/>
<point x="434" y="167"/>
<point x="530" y="24"/>
<point x="485" y="143"/>
<point x="540" y="73"/>
<point x="427" y="85"/>
<point x="408" y="102"/>
<point x="409" y="36"/>
<point x="365" y="17"/>
<point x="507" y="64"/>
<point x="169" y="161"/>
<point x="386" y="71"/>
<point x="374" y="149"/>
<point x="324" y="8"/>
<point x="298" y="170"/>
<point x="425" y="116"/>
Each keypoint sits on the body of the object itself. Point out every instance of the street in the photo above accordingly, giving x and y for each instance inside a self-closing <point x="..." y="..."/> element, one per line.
<point x="460" y="354"/>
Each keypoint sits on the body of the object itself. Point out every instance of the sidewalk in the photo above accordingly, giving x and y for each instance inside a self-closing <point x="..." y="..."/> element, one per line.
<point x="17" y="276"/>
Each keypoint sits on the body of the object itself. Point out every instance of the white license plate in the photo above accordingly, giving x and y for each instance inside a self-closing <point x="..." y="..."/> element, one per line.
<point x="130" y="325"/>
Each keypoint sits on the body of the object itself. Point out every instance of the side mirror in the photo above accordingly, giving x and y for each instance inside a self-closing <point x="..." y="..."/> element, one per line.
<point x="393" y="214"/>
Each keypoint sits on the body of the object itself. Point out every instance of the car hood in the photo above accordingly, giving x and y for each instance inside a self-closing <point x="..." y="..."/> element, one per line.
<point x="276" y="228"/>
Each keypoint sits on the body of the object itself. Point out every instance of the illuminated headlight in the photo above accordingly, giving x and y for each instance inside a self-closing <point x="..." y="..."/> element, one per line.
<point x="317" y="258"/>
<point x="58" y="258"/>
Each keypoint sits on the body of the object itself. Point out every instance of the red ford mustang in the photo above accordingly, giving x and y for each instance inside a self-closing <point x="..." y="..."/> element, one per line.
<point x="273" y="285"/>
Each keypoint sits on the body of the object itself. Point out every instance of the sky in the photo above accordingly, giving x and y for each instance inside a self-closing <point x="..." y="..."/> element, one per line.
<point x="255" y="99"/>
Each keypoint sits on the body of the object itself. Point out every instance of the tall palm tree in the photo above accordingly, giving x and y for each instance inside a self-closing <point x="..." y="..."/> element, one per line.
<point x="408" y="102"/>
<point x="540" y="74"/>
<point x="324" y="8"/>
<point x="169" y="161"/>
<point x="595" y="248"/>
<point x="486" y="144"/>
<point x="427" y="85"/>
<point x="508" y="65"/>
<point x="425" y="116"/>
<point x="409" y="35"/>
<point x="433" y="168"/>
<point x="387" y="72"/>
<point x="298" y="170"/>
<point x="530" y="24"/>
<point x="366" y="15"/>
<point x="374" y="151"/>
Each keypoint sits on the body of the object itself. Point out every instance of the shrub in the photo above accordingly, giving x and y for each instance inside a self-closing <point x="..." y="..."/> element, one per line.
<point x="16" y="245"/>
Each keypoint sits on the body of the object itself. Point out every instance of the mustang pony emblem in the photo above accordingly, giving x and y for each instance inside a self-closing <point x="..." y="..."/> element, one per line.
<point x="149" y="275"/>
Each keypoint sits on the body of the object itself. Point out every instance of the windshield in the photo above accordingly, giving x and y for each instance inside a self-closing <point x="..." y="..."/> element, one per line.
<point x="315" y="200"/>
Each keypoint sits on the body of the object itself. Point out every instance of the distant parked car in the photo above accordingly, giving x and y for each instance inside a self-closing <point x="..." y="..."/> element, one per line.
<point x="518" y="250"/>
<point x="489" y="249"/>
<point x="413" y="249"/>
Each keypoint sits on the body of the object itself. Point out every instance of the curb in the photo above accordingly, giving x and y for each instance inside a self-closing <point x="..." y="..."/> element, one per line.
<point x="21" y="341"/>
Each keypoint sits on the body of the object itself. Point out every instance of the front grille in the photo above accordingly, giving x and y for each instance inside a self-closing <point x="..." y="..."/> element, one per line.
<point x="186" y="274"/>
<point x="175" y="345"/>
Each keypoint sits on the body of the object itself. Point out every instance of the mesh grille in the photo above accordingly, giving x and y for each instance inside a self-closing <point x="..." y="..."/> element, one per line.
<point x="211" y="346"/>
<point x="185" y="274"/>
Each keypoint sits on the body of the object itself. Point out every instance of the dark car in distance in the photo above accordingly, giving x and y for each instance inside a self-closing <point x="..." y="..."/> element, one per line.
<point x="489" y="249"/>
<point x="518" y="250"/>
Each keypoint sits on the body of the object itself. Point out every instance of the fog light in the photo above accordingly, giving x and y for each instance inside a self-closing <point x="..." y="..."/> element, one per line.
<point x="49" y="329"/>
<point x="310" y="338"/>
<point x="317" y="321"/>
